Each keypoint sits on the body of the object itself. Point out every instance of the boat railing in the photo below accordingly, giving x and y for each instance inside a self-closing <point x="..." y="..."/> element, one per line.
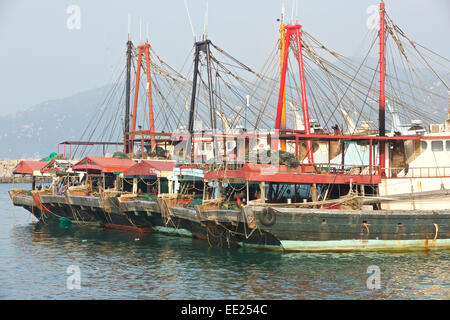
<point x="319" y="168"/>
<point x="358" y="169"/>
<point x="349" y="169"/>
<point x="418" y="172"/>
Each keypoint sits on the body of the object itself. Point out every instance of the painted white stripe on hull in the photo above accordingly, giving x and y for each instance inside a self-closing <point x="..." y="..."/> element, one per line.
<point x="356" y="245"/>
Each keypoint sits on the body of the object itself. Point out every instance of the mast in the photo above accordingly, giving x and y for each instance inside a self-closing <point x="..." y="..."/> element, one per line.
<point x="150" y="100"/>
<point x="189" y="146"/>
<point x="136" y="93"/>
<point x="282" y="49"/>
<point x="290" y="31"/>
<point x="202" y="46"/>
<point x="143" y="50"/>
<point x="211" y="97"/>
<point x="212" y="106"/>
<point x="382" y="99"/>
<point x="126" y="143"/>
<point x="194" y="88"/>
<point x="309" y="148"/>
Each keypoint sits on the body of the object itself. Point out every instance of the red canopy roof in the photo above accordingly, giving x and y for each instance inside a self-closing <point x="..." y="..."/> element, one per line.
<point x="149" y="168"/>
<point x="27" y="167"/>
<point x="103" y="164"/>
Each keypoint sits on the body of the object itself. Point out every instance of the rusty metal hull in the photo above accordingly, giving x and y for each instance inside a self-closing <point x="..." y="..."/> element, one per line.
<point x="51" y="208"/>
<point x="83" y="210"/>
<point x="294" y="229"/>
<point x="349" y="230"/>
<point x="135" y="215"/>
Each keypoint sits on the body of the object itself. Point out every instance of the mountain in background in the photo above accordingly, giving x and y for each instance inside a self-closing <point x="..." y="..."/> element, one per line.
<point x="36" y="132"/>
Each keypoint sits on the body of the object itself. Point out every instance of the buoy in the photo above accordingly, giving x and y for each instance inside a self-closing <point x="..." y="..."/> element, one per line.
<point x="64" y="223"/>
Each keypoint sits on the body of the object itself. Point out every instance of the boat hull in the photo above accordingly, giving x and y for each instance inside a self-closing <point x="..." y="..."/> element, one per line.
<point x="317" y="230"/>
<point x="110" y="213"/>
<point x="353" y="230"/>
<point x="262" y="227"/>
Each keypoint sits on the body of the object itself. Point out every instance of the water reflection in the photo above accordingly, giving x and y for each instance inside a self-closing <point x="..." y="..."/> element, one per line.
<point x="129" y="265"/>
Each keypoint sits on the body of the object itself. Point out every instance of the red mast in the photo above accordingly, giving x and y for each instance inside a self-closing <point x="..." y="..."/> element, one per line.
<point x="143" y="49"/>
<point x="136" y="94"/>
<point x="149" y="92"/>
<point x="382" y="99"/>
<point x="290" y="31"/>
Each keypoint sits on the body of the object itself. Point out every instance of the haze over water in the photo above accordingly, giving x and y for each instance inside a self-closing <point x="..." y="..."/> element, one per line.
<point x="120" y="265"/>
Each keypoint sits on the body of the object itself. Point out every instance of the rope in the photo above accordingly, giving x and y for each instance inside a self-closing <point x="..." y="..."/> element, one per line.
<point x="148" y="184"/>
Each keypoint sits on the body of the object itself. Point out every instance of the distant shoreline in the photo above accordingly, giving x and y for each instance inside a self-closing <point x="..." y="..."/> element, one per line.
<point x="9" y="180"/>
<point x="6" y="168"/>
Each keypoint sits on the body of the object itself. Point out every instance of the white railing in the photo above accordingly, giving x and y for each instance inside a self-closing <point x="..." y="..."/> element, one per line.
<point x="419" y="172"/>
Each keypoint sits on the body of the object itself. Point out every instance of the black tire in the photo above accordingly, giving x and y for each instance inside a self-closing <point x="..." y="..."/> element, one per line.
<point x="267" y="217"/>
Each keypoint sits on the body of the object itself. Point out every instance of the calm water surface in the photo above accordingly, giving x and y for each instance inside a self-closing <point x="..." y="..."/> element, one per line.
<point x="118" y="265"/>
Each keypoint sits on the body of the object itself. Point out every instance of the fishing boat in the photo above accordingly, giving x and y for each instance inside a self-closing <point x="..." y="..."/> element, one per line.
<point x="94" y="190"/>
<point x="393" y="195"/>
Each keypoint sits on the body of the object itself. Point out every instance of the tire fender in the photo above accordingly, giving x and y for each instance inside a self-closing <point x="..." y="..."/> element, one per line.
<point x="267" y="217"/>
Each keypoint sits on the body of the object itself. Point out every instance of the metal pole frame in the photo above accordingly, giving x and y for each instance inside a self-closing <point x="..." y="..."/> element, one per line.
<point x="294" y="30"/>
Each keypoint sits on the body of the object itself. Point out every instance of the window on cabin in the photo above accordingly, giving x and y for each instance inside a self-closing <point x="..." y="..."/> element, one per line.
<point x="424" y="146"/>
<point x="437" y="146"/>
<point x="447" y="145"/>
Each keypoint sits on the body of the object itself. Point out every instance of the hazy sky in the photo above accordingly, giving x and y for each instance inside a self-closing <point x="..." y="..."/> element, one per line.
<point x="42" y="59"/>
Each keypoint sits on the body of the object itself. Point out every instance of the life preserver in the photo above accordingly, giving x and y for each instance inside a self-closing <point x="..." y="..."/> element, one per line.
<point x="267" y="217"/>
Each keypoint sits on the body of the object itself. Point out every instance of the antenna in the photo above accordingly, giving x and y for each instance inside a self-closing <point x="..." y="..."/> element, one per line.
<point x="190" y="21"/>
<point x="205" y="30"/>
<point x="140" y="30"/>
<point x="296" y="11"/>
<point x="146" y="32"/>
<point x="129" y="25"/>
<point x="292" y="12"/>
<point x="282" y="13"/>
